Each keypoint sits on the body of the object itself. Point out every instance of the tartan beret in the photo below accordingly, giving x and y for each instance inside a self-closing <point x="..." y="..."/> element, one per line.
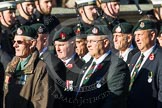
<point x="26" y="31"/>
<point x="20" y="1"/>
<point x="81" y="3"/>
<point x="80" y="31"/>
<point x="8" y="5"/>
<point x="144" y="25"/>
<point x="98" y="30"/>
<point x="64" y="34"/>
<point x="105" y="1"/>
<point x="123" y="27"/>
<point x="40" y="28"/>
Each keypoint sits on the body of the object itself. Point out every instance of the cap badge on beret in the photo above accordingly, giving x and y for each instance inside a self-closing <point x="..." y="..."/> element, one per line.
<point x="142" y="24"/>
<point x="95" y="30"/>
<point x="40" y="29"/>
<point x="77" y="31"/>
<point x="118" y="29"/>
<point x="19" y="31"/>
<point x="62" y="35"/>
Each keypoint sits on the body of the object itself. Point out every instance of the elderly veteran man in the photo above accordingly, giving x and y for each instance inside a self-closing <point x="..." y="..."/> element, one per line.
<point x="55" y="67"/>
<point x="105" y="80"/>
<point x="146" y="68"/>
<point x="81" y="43"/>
<point x="7" y="23"/>
<point x="25" y="9"/>
<point x="122" y="38"/>
<point x="26" y="79"/>
<point x="64" y="43"/>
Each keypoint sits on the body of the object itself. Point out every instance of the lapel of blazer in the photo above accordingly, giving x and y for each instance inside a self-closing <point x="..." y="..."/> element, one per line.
<point x="149" y="60"/>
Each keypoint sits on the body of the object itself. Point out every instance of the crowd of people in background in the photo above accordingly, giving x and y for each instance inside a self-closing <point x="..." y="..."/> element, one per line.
<point x="101" y="61"/>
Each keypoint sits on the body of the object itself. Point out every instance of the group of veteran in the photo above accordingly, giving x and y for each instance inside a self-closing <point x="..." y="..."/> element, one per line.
<point x="100" y="62"/>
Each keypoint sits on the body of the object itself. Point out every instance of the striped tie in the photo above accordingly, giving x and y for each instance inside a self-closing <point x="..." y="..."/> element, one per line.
<point x="134" y="74"/>
<point x="89" y="73"/>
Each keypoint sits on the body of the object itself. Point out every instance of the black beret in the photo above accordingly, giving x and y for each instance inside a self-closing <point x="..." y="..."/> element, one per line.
<point x="80" y="31"/>
<point x="40" y="28"/>
<point x="81" y="3"/>
<point x="26" y="31"/>
<point x="64" y="34"/>
<point x="123" y="27"/>
<point x="105" y="1"/>
<point x="99" y="30"/>
<point x="144" y="25"/>
<point x="7" y="5"/>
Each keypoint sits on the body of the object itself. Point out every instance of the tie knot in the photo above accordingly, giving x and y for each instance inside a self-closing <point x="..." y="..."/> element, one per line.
<point x="142" y="56"/>
<point x="94" y="63"/>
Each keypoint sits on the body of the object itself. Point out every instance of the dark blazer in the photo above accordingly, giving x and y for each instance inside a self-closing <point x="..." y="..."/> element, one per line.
<point x="72" y="73"/>
<point x="107" y="86"/>
<point x="145" y="94"/>
<point x="57" y="71"/>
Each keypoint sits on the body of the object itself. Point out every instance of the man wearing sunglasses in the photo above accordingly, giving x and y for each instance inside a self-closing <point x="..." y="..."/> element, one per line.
<point x="26" y="80"/>
<point x="104" y="80"/>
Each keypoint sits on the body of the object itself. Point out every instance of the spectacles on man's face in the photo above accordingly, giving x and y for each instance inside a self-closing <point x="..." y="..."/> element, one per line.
<point x="94" y="41"/>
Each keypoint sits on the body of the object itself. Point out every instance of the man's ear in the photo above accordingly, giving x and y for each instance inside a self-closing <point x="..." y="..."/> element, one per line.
<point x="33" y="43"/>
<point x="129" y="37"/>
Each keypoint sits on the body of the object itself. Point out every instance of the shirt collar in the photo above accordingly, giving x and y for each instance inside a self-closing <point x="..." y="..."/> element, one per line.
<point x="99" y="60"/>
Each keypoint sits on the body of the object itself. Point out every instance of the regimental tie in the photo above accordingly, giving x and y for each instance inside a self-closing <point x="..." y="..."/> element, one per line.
<point x="136" y="69"/>
<point x="89" y="73"/>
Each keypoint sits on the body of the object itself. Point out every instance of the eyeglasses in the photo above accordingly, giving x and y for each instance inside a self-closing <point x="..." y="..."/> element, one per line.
<point x="94" y="41"/>
<point x="18" y="42"/>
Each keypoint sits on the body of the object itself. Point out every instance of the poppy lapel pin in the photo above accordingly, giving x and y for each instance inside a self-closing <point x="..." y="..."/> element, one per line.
<point x="69" y="66"/>
<point x="151" y="56"/>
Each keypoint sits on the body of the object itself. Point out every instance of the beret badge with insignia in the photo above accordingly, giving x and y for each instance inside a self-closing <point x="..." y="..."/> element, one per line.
<point x="19" y="31"/>
<point x="77" y="32"/>
<point x="95" y="30"/>
<point x="40" y="29"/>
<point x="118" y="29"/>
<point x="142" y="24"/>
<point x="62" y="35"/>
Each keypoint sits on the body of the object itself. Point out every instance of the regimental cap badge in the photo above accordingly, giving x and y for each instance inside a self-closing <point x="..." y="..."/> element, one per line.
<point x="62" y="35"/>
<point x="40" y="29"/>
<point x="142" y="25"/>
<point x="118" y="29"/>
<point x="95" y="30"/>
<point x="19" y="31"/>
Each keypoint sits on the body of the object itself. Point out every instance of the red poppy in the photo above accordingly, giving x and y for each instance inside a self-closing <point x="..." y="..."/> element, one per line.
<point x="69" y="66"/>
<point x="151" y="56"/>
<point x="62" y="35"/>
<point x="99" y="66"/>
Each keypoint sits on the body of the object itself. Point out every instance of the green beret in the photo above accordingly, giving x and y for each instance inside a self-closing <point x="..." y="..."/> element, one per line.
<point x="20" y="1"/>
<point x="81" y="3"/>
<point x="26" y="31"/>
<point x="123" y="27"/>
<point x="105" y="1"/>
<point x="7" y="5"/>
<point x="144" y="25"/>
<point x="80" y="31"/>
<point x="160" y="29"/>
<point x="64" y="34"/>
<point x="99" y="30"/>
<point x="156" y="3"/>
<point x="40" y="28"/>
